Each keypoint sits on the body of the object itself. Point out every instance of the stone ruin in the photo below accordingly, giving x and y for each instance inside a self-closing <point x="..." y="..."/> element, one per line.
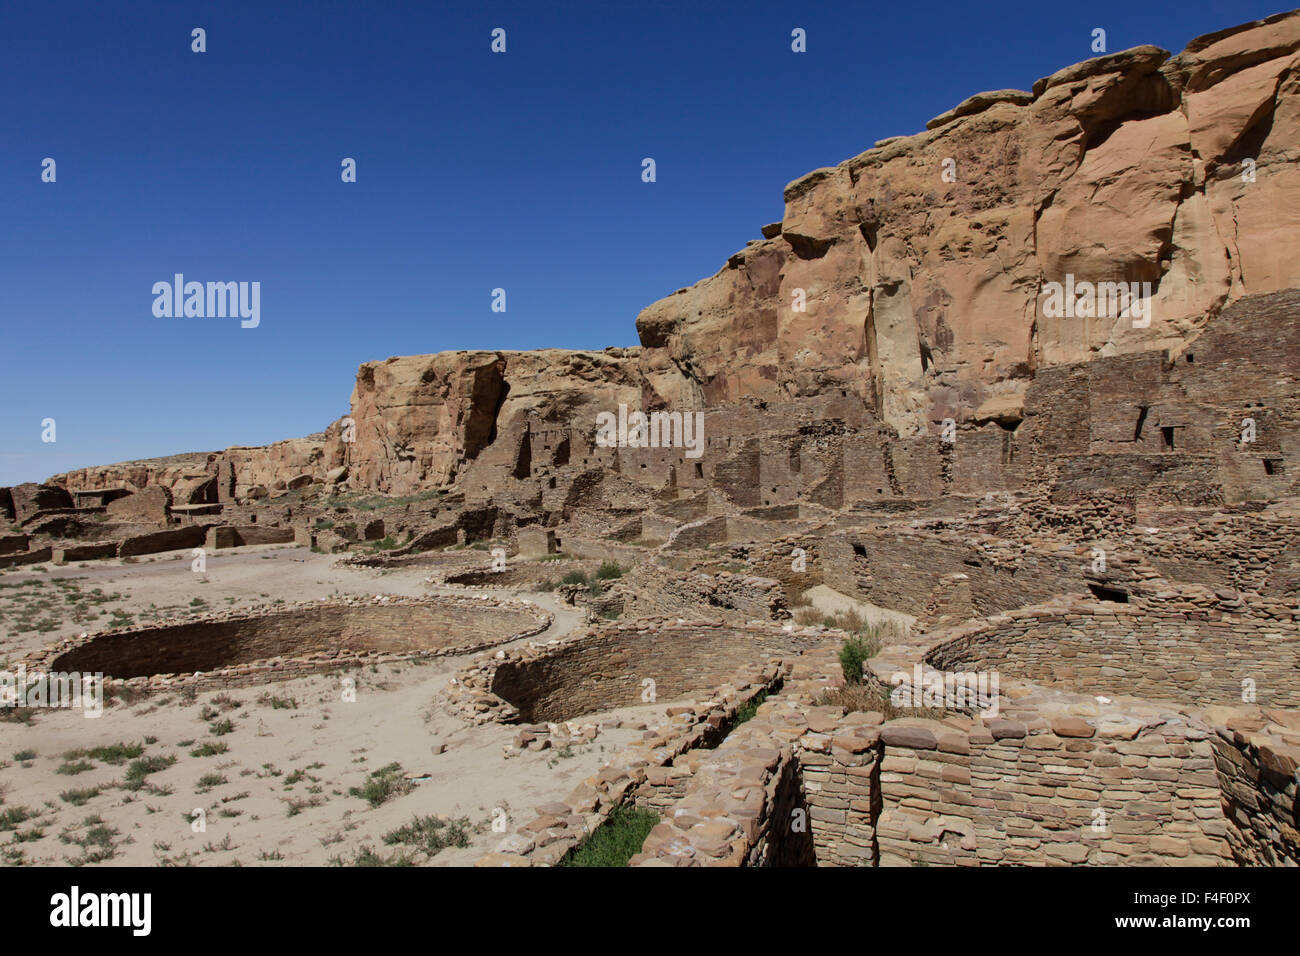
<point x="1103" y="514"/>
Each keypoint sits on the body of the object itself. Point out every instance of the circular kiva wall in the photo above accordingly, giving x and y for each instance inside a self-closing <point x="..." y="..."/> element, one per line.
<point x="304" y="637"/>
<point x="1189" y="646"/>
<point x="607" y="668"/>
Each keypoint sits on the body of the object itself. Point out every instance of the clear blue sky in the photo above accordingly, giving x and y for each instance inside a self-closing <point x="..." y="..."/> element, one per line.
<point x="475" y="171"/>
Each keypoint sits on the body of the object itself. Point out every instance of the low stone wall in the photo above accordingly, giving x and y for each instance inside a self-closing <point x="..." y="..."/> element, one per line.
<point x="649" y="590"/>
<point x="84" y="552"/>
<point x="37" y="556"/>
<point x="1038" y="790"/>
<point x="599" y="549"/>
<point x="239" y="648"/>
<point x="231" y="536"/>
<point x="758" y="779"/>
<point x="1187" y="643"/>
<point x="698" y="534"/>
<point x="174" y="539"/>
<point x="14" y="543"/>
<point x="517" y="575"/>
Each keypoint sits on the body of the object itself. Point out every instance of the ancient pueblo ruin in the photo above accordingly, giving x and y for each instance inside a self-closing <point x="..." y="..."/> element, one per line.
<point x="954" y="522"/>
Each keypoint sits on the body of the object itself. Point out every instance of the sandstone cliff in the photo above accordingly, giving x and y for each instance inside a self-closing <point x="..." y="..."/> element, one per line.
<point x="923" y="295"/>
<point x="420" y="418"/>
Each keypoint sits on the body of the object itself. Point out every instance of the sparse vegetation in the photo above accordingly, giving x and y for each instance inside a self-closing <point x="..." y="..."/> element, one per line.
<point x="140" y="769"/>
<point x="113" y="754"/>
<point x="616" y="840"/>
<point x="431" y="834"/>
<point x="383" y="785"/>
<point x="210" y="749"/>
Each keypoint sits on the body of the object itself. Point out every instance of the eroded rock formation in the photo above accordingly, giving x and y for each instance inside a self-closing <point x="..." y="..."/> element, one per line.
<point x="923" y="295"/>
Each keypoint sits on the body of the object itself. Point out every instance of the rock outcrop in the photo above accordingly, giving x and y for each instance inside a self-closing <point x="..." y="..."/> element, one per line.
<point x="421" y="418"/>
<point x="921" y="263"/>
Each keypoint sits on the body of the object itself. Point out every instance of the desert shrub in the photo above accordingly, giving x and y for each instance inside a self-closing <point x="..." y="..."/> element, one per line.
<point x="431" y="834"/>
<point x="871" y="697"/>
<point x="854" y="652"/>
<point x="366" y="856"/>
<point x="383" y="785"/>
<point x="608" y="570"/>
<point x="112" y="754"/>
<point x="79" y="797"/>
<point x="807" y="615"/>
<point x="209" y="749"/>
<point x="140" y="769"/>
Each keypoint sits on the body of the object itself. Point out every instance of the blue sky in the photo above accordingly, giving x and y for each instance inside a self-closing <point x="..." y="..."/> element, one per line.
<point x="475" y="171"/>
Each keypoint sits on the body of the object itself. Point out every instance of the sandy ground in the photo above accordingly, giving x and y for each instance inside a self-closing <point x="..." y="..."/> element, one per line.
<point x="279" y="793"/>
<point x="830" y="601"/>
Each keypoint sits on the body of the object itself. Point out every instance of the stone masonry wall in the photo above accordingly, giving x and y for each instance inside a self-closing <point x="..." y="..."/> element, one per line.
<point x="1179" y="644"/>
<point x="1256" y="756"/>
<point x="240" y="647"/>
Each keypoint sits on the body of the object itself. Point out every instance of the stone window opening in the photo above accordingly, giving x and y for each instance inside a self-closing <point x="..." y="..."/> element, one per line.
<point x="1115" y="595"/>
<point x="1273" y="466"/>
<point x="1167" y="437"/>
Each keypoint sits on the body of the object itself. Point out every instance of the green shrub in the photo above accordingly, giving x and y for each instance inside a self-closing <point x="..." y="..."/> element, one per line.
<point x="574" y="577"/>
<point x="368" y="857"/>
<point x="607" y="570"/>
<point x="140" y="769"/>
<point x="383" y="785"/>
<point x="112" y="754"/>
<point x="10" y="817"/>
<point x="431" y="834"/>
<point x="79" y="797"/>
<point x="853" y="654"/>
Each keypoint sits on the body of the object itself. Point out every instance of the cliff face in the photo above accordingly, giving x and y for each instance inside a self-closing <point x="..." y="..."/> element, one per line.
<point x="421" y="418"/>
<point x="922" y="261"/>
<point x="902" y="287"/>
